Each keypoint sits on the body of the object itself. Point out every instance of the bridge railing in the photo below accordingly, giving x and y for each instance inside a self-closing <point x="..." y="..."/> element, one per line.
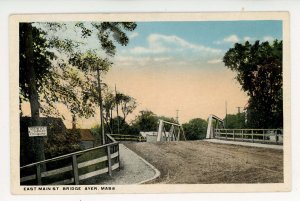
<point x="273" y="136"/>
<point x="134" y="138"/>
<point x="74" y="167"/>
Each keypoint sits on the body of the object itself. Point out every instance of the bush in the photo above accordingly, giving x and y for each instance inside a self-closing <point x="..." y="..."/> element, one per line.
<point x="195" y="129"/>
<point x="62" y="143"/>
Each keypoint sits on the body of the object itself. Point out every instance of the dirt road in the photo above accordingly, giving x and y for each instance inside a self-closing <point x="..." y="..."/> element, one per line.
<point x="203" y="162"/>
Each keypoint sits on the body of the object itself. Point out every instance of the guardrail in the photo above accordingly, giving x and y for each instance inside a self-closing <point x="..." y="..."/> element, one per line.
<point x="274" y="136"/>
<point x="74" y="167"/>
<point x="134" y="138"/>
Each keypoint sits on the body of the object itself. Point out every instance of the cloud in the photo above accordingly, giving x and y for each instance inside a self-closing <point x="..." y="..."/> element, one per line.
<point x="248" y="38"/>
<point x="148" y="50"/>
<point x="229" y="39"/>
<point x="167" y="51"/>
<point x="133" y="35"/>
<point x="232" y="39"/>
<point x="158" y="44"/>
<point x="214" y="61"/>
<point x="268" y="38"/>
<point x="132" y="61"/>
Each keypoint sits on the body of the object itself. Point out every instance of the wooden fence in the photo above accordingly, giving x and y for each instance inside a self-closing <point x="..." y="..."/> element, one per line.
<point x="273" y="136"/>
<point x="74" y="167"/>
<point x="134" y="138"/>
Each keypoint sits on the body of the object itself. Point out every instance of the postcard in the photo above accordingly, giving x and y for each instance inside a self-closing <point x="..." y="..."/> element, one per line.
<point x="150" y="103"/>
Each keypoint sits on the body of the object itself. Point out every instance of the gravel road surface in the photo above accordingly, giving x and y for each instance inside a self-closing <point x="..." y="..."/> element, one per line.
<point x="203" y="162"/>
<point x="134" y="170"/>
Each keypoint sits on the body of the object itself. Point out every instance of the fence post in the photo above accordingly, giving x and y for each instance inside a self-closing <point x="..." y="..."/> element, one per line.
<point x="264" y="136"/>
<point x="75" y="169"/>
<point x="38" y="174"/>
<point x="252" y="136"/>
<point x="119" y="156"/>
<point x="276" y="136"/>
<point x="109" y="161"/>
<point x="226" y="135"/>
<point x="233" y="135"/>
<point x="242" y="135"/>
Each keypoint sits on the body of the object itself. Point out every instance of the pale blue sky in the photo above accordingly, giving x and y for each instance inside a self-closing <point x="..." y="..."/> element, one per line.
<point x="204" y="41"/>
<point x="208" y="32"/>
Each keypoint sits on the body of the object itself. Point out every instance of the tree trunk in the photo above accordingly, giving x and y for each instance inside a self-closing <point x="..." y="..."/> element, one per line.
<point x="38" y="142"/>
<point x="108" y="124"/>
<point x="110" y="121"/>
<point x="100" y="106"/>
<point x="117" y="107"/>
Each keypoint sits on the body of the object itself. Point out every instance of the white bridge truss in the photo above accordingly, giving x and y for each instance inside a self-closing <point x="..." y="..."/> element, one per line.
<point x="174" y="134"/>
<point x="214" y="122"/>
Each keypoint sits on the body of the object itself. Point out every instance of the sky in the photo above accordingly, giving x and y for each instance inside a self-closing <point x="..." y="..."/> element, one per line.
<point x="169" y="66"/>
<point x="178" y="65"/>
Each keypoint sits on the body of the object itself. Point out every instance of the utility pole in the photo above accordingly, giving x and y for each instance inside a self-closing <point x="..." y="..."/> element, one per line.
<point x="239" y="115"/>
<point x="177" y="116"/>
<point x="225" y="114"/>
<point x="239" y="109"/>
<point x="117" y="107"/>
<point x="101" y="106"/>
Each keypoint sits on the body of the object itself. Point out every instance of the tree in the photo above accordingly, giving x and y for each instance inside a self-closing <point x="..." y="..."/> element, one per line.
<point x="127" y="103"/>
<point x="106" y="32"/>
<point x="34" y="66"/>
<point x="125" y="128"/>
<point x="168" y="119"/>
<point x="235" y="121"/>
<point x="109" y="105"/>
<point x="41" y="82"/>
<point x="45" y="60"/>
<point x="195" y="129"/>
<point x="259" y="71"/>
<point x="146" y="121"/>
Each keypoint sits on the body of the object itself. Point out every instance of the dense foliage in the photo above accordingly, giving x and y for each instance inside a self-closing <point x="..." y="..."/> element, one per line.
<point x="259" y="71"/>
<point x="195" y="129"/>
<point x="117" y="102"/>
<point x="148" y="121"/>
<point x="59" y="140"/>
<point x="55" y="69"/>
<point x="235" y="121"/>
<point x="62" y="143"/>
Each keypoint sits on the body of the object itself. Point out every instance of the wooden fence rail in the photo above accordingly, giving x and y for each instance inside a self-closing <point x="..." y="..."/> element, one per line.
<point x="73" y="168"/>
<point x="134" y="138"/>
<point x="274" y="136"/>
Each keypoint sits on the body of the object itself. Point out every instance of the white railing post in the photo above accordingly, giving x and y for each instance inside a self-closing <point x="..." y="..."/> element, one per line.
<point x="242" y="135"/>
<point x="75" y="169"/>
<point x="109" y="161"/>
<point x="38" y="174"/>
<point x="118" y="147"/>
<point x="233" y="135"/>
<point x="160" y="130"/>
